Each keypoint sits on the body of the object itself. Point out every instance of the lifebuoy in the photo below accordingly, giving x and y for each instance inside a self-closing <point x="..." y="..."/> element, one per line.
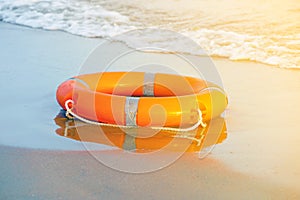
<point x="142" y="99"/>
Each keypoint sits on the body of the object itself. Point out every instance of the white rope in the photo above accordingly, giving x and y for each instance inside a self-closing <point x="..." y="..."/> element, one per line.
<point x="199" y="141"/>
<point x="69" y="111"/>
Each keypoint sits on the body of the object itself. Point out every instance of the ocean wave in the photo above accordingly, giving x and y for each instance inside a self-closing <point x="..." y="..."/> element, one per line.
<point x="266" y="49"/>
<point x="76" y="17"/>
<point x="90" y="19"/>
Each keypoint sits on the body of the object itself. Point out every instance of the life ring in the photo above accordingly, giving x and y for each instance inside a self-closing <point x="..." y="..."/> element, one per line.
<point x="142" y="99"/>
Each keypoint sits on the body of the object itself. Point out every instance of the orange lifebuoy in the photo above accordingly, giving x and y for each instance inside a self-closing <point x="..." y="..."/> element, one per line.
<point x="142" y="99"/>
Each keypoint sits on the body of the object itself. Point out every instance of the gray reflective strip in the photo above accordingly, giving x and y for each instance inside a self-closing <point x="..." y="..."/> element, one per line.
<point x="131" y="106"/>
<point x="129" y="141"/>
<point x="148" y="89"/>
<point x="80" y="81"/>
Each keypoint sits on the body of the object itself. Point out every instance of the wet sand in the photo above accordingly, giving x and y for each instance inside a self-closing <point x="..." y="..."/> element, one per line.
<point x="32" y="174"/>
<point x="258" y="160"/>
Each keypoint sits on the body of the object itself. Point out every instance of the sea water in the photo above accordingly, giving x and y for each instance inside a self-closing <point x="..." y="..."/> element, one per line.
<point x="263" y="31"/>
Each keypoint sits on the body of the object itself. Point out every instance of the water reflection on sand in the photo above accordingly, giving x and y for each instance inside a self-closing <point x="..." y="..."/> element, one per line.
<point x="142" y="140"/>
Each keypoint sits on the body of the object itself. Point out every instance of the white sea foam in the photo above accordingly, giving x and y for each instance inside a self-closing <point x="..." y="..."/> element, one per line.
<point x="91" y="19"/>
<point x="247" y="47"/>
<point x="76" y="17"/>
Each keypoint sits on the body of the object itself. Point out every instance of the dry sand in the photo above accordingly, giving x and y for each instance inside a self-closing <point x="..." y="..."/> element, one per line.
<point x="258" y="160"/>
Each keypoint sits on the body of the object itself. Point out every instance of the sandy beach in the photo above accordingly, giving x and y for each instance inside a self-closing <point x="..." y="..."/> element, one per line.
<point x="259" y="159"/>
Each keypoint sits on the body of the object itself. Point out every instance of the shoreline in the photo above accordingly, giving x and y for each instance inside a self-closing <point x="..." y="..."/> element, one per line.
<point x="214" y="57"/>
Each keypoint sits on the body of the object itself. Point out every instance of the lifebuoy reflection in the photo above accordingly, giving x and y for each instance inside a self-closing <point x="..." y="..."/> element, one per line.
<point x="143" y="140"/>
